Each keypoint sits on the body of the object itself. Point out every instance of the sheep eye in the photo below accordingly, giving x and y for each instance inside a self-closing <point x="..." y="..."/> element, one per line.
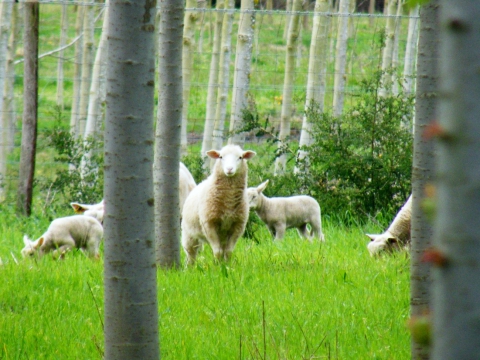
<point x="240" y="158"/>
<point x="220" y="157"/>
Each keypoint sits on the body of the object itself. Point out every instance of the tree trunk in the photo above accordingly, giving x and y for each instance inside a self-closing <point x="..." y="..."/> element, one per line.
<point x="202" y="4"/>
<point x="207" y="142"/>
<point x="87" y="66"/>
<point x="410" y="51"/>
<point x="187" y="66"/>
<point x="77" y="72"/>
<point x="456" y="289"/>
<point x="317" y="68"/>
<point x="423" y="167"/>
<point x="398" y="25"/>
<point x="167" y="136"/>
<point x="63" y="40"/>
<point x="131" y="310"/>
<point x="289" y="79"/>
<point x="243" y="61"/>
<point x="30" y="101"/>
<point x="223" y="76"/>
<point x="371" y="11"/>
<point x="340" y="59"/>
<point x="389" y="46"/>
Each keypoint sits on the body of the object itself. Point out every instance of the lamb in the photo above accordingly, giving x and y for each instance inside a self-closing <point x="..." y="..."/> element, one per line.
<point x="397" y="235"/>
<point x="281" y="213"/>
<point x="96" y="210"/>
<point x="66" y="233"/>
<point x="216" y="211"/>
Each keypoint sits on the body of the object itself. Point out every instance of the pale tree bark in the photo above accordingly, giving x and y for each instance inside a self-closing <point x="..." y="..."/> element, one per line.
<point x="423" y="168"/>
<point x="371" y="11"/>
<point x="207" y="142"/>
<point x="190" y="20"/>
<point x="288" y="83"/>
<point x="456" y="288"/>
<point x="167" y="136"/>
<point x="202" y="4"/>
<point x="389" y="46"/>
<point x="63" y="41"/>
<point x="5" y="28"/>
<point x="398" y="24"/>
<point x="30" y="101"/>
<point x="243" y="61"/>
<point x="340" y="59"/>
<point x="410" y="51"/>
<point x="77" y="72"/>
<point x="131" y="310"/>
<point x="87" y="66"/>
<point x="317" y="72"/>
<point x="288" y="9"/>
<point x="223" y="76"/>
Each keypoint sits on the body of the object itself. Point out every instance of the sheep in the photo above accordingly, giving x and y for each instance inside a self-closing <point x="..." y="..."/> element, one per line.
<point x="186" y="184"/>
<point x="397" y="235"/>
<point x="281" y="213"/>
<point x="66" y="233"/>
<point x="96" y="210"/>
<point x="216" y="211"/>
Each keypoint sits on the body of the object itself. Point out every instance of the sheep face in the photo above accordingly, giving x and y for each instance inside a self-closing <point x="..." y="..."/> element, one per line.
<point x="31" y="247"/>
<point x="231" y="158"/>
<point x="253" y="195"/>
<point x="385" y="242"/>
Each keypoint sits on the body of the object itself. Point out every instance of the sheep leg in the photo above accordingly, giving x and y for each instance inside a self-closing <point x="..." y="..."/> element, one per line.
<point x="280" y="231"/>
<point x="317" y="230"/>
<point x="190" y="246"/>
<point x="303" y="232"/>
<point x="214" y="241"/>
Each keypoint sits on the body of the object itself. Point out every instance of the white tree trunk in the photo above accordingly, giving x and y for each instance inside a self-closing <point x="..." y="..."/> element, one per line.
<point x="167" y="134"/>
<point x="288" y="83"/>
<point x="243" y="60"/>
<point x="77" y="72"/>
<point x="201" y="5"/>
<point x="317" y="69"/>
<point x="130" y="282"/>
<point x="187" y="66"/>
<point x="223" y="76"/>
<point x="207" y="142"/>
<point x="410" y="51"/>
<point x="87" y="65"/>
<point x="389" y="46"/>
<point x="63" y="41"/>
<point x="340" y="58"/>
<point x="456" y="289"/>
<point x="398" y="24"/>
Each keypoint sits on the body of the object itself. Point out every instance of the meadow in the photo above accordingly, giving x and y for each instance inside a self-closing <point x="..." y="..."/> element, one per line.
<point x="276" y="300"/>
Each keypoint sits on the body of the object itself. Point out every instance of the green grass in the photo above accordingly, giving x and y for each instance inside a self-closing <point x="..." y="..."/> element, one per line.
<point x="290" y="300"/>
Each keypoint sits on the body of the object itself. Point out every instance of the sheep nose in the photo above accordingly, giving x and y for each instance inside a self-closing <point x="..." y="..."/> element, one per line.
<point x="229" y="170"/>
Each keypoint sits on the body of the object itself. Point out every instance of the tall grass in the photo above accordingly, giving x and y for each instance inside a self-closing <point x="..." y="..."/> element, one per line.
<point x="276" y="300"/>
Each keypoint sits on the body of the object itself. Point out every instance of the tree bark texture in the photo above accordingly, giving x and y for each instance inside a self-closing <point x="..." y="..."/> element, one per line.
<point x="77" y="72"/>
<point x="456" y="291"/>
<point x="131" y="310"/>
<point x="340" y="59"/>
<point x="30" y="101"/>
<point x="389" y="45"/>
<point x="423" y="168"/>
<point x="63" y="40"/>
<point x="167" y="136"/>
<point x="410" y="50"/>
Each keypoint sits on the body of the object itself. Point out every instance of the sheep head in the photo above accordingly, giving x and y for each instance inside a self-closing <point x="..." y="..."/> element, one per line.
<point x="31" y="247"/>
<point x="253" y="194"/>
<point x="231" y="158"/>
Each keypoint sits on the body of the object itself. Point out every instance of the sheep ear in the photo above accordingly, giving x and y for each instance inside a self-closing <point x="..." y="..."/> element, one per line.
<point x="214" y="154"/>
<point x="26" y="240"/>
<point x="78" y="208"/>
<point x="39" y="242"/>
<point x="371" y="236"/>
<point x="248" y="154"/>
<point x="262" y="186"/>
<point x="391" y="240"/>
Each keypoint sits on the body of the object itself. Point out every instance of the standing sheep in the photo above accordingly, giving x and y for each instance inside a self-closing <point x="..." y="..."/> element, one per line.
<point x="281" y="213"/>
<point x="397" y="235"/>
<point x="216" y="210"/>
<point x="66" y="233"/>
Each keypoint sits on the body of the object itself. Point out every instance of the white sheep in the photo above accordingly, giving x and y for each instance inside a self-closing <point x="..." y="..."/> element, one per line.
<point x="216" y="211"/>
<point x="95" y="210"/>
<point x="397" y="235"/>
<point x="66" y="233"/>
<point x="282" y="213"/>
<point x="186" y="184"/>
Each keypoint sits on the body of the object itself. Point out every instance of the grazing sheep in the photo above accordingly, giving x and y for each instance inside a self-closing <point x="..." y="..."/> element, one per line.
<point x="186" y="184"/>
<point x="96" y="210"/>
<point x="66" y="233"/>
<point x="397" y="235"/>
<point x="216" y="210"/>
<point x="281" y="213"/>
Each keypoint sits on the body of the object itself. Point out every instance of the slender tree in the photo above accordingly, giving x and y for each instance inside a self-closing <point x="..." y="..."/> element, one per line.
<point x="131" y="315"/>
<point x="289" y="79"/>
<point x="389" y="43"/>
<point x="243" y="60"/>
<point x="423" y="167"/>
<point x="5" y="22"/>
<point x="167" y="135"/>
<point x="207" y="142"/>
<point x="410" y="50"/>
<point x="30" y="101"/>
<point x="77" y="72"/>
<point x="456" y="288"/>
<point x="63" y="40"/>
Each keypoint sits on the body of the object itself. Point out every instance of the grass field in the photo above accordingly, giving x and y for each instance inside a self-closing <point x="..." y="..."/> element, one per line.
<point x="286" y="300"/>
